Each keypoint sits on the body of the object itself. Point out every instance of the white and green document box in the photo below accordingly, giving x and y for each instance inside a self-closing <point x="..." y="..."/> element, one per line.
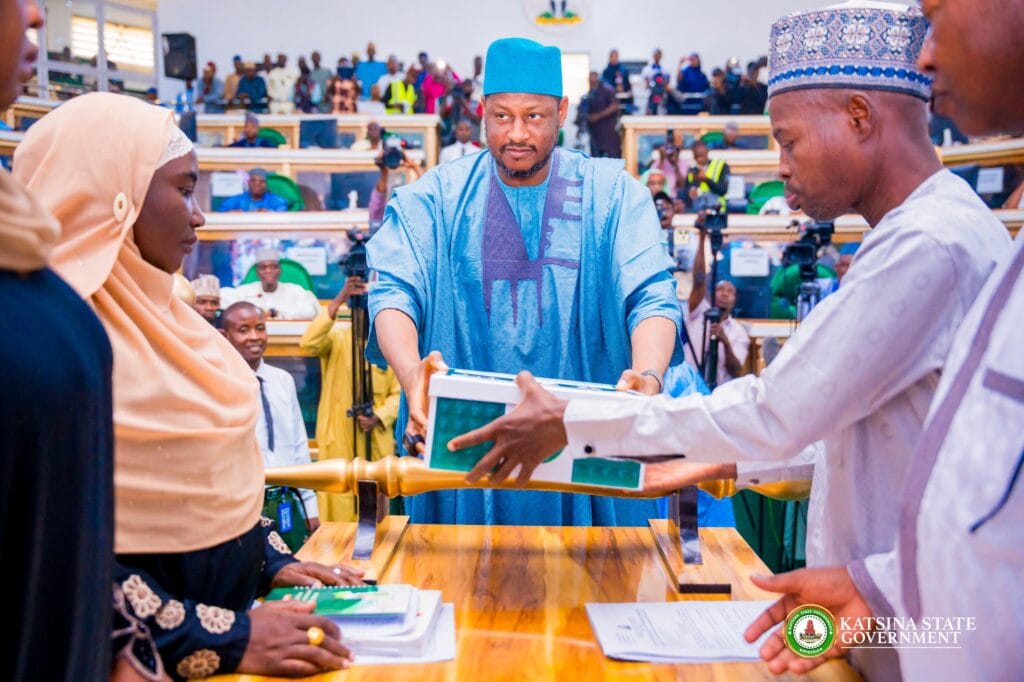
<point x="461" y="401"/>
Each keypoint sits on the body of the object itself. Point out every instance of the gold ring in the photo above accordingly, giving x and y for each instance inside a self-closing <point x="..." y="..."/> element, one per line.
<point x="315" y="636"/>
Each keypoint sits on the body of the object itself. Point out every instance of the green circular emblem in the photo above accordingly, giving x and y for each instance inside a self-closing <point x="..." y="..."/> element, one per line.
<point x="810" y="630"/>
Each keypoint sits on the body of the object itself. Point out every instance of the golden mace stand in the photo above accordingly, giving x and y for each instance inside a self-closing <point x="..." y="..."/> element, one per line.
<point x="377" y="535"/>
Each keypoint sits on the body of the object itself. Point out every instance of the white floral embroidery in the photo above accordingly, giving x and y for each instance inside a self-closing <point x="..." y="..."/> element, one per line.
<point x="171" y="615"/>
<point x="856" y="34"/>
<point x="783" y="42"/>
<point x="201" y="663"/>
<point x="815" y="37"/>
<point x="144" y="601"/>
<point x="215" y="619"/>
<point x="277" y="543"/>
<point x="897" y="37"/>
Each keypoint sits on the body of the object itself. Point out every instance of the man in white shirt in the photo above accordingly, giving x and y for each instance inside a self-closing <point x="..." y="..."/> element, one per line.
<point x="281" y="87"/>
<point x="280" y="300"/>
<point x="861" y="370"/>
<point x="734" y="342"/>
<point x="392" y="74"/>
<point x="958" y="552"/>
<point x="463" y="145"/>
<point x="280" y="429"/>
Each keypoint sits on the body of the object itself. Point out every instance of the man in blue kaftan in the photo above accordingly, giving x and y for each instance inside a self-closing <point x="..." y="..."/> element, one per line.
<point x="524" y="257"/>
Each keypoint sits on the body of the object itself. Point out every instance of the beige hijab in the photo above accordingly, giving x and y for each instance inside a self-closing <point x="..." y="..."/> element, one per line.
<point x="188" y="472"/>
<point x="27" y="230"/>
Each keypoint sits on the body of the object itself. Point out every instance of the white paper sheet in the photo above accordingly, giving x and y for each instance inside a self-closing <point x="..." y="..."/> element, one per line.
<point x="677" y="632"/>
<point x="440" y="648"/>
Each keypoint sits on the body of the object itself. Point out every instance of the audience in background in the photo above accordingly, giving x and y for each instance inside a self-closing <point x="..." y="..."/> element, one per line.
<point x="374" y="134"/>
<point x="252" y="89"/>
<point x="206" y="289"/>
<point x="434" y="87"/>
<point x="464" y="145"/>
<point x="233" y="78"/>
<point x="707" y="177"/>
<point x="478" y="73"/>
<point x="208" y="95"/>
<point x="392" y="74"/>
<point x="251" y="134"/>
<point x="692" y="80"/>
<point x="321" y="77"/>
<point x="656" y="79"/>
<point x="369" y="70"/>
<point x="461" y="105"/>
<point x="281" y="86"/>
<point x="602" y="119"/>
<point x="341" y="94"/>
<point x="307" y="95"/>
<point x="280" y="300"/>
<point x="399" y="96"/>
<point x="280" y="428"/>
<point x="256" y="197"/>
<point x="617" y="76"/>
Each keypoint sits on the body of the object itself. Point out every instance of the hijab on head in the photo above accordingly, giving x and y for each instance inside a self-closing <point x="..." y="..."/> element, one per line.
<point x="188" y="471"/>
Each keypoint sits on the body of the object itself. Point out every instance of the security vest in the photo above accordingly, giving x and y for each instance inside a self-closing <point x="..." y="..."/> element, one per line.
<point x="714" y="174"/>
<point x="402" y="98"/>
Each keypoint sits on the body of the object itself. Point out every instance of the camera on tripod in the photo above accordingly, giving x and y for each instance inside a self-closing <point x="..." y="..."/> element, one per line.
<point x="353" y="263"/>
<point x="803" y="253"/>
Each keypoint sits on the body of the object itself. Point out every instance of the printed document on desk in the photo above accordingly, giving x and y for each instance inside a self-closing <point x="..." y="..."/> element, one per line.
<point x="677" y="632"/>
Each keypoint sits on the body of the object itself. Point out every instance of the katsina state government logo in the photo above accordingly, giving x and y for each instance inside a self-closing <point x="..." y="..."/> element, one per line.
<point x="810" y="630"/>
<point x="556" y="16"/>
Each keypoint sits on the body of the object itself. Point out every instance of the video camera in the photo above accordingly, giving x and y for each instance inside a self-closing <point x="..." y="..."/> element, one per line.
<point x="394" y="152"/>
<point x="354" y="262"/>
<point x="658" y="85"/>
<point x="803" y="253"/>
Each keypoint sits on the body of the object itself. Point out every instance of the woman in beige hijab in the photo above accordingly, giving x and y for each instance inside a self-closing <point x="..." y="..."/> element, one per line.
<point x="191" y="546"/>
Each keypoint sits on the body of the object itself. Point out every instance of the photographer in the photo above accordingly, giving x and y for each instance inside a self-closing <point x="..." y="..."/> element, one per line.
<point x="332" y="343"/>
<point x="460" y="105"/>
<point x="735" y="342"/>
<point x="706" y="176"/>
<point x="390" y="159"/>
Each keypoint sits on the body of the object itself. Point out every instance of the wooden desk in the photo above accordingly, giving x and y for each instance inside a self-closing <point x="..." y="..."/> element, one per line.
<point x="519" y="595"/>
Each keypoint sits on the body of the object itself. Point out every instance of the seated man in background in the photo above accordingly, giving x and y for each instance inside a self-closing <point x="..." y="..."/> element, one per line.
<point x="207" y="297"/>
<point x="250" y="134"/>
<point x="464" y="144"/>
<point x="256" y="198"/>
<point x="735" y="342"/>
<point x="730" y="138"/>
<point x="280" y="430"/>
<point x="252" y="89"/>
<point x="338" y="434"/>
<point x="372" y="141"/>
<point x="706" y="177"/>
<point x="280" y="300"/>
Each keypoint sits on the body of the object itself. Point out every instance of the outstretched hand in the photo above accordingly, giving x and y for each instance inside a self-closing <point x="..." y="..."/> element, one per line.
<point x="831" y="588"/>
<point x="632" y="380"/>
<point x="523" y="438"/>
<point x="416" y="383"/>
<point x="312" y="574"/>
<point x="675" y="474"/>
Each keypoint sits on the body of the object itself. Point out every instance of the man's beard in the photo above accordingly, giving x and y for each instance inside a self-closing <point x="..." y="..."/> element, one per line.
<point x="529" y="172"/>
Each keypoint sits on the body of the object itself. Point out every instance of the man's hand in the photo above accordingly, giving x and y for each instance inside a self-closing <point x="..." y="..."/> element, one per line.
<point x="416" y="381"/>
<point x="717" y="332"/>
<point x="312" y="523"/>
<point x="368" y="424"/>
<point x="279" y="643"/>
<point x="831" y="588"/>
<point x="312" y="574"/>
<point x="631" y="380"/>
<point x="354" y="286"/>
<point x="672" y="475"/>
<point x="523" y="438"/>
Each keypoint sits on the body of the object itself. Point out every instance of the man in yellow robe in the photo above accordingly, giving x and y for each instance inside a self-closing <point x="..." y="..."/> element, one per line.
<point x="332" y="343"/>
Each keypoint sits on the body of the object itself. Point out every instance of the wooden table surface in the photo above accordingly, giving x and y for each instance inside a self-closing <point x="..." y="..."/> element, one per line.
<point x="519" y="595"/>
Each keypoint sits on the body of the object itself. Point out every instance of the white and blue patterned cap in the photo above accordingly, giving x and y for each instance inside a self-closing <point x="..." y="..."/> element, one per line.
<point x="858" y="45"/>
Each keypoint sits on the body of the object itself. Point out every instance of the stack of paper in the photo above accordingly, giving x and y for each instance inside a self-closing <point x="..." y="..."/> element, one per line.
<point x="384" y="623"/>
<point x="677" y="632"/>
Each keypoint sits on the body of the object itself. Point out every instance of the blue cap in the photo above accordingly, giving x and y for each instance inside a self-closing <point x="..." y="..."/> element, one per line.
<point x="849" y="248"/>
<point x="237" y="58"/>
<point x="860" y="45"/>
<point x="523" y="66"/>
